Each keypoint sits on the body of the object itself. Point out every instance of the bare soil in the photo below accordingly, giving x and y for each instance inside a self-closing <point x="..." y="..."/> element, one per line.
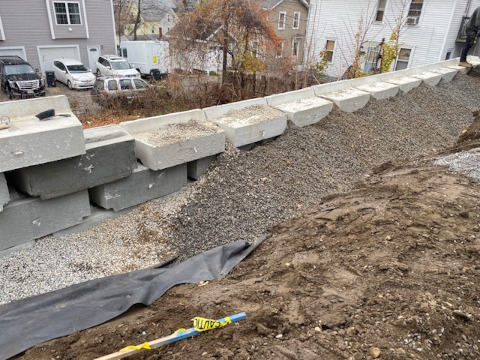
<point x="389" y="270"/>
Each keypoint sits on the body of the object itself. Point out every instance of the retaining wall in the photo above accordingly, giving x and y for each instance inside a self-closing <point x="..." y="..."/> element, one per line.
<point x="51" y="170"/>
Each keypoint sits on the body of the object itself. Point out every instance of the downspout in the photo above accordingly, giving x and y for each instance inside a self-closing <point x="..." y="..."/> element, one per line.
<point x="449" y="28"/>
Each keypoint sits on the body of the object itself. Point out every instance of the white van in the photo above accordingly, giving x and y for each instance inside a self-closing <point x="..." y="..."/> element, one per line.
<point x="150" y="58"/>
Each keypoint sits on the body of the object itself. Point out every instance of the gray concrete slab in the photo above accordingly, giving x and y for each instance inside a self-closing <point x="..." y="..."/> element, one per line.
<point x="461" y="69"/>
<point x="405" y="83"/>
<point x="216" y="112"/>
<point x="25" y="218"/>
<point x="110" y="155"/>
<point x="143" y="185"/>
<point x="302" y="107"/>
<point x="447" y="74"/>
<point x="4" y="195"/>
<point x="380" y="90"/>
<point x="197" y="168"/>
<point x="429" y="77"/>
<point x="165" y="141"/>
<point x="252" y="124"/>
<point x="349" y="100"/>
<point x="30" y="141"/>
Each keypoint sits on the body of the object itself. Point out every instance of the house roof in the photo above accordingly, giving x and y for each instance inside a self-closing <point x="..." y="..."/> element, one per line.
<point x="270" y="4"/>
<point x="154" y="10"/>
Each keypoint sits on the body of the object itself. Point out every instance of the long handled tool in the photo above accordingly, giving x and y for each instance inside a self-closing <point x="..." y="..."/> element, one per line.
<point x="200" y="326"/>
<point x="45" y="115"/>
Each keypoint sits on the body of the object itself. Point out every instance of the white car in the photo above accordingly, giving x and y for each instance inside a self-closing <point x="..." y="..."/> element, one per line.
<point x="112" y="65"/>
<point x="73" y="73"/>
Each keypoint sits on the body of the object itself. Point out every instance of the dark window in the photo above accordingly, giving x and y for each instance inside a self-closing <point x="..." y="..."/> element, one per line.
<point x="380" y="10"/>
<point x="140" y="84"/>
<point x="112" y="85"/>
<point x="126" y="84"/>
<point x="67" y="13"/>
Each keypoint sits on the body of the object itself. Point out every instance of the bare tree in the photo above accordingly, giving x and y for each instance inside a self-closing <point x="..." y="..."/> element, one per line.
<point x="149" y="9"/>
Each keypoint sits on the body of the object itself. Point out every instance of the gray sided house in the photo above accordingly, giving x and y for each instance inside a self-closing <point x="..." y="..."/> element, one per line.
<point x="40" y="31"/>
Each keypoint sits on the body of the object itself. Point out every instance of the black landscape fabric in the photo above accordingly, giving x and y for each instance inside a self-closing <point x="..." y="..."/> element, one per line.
<point x="28" y="322"/>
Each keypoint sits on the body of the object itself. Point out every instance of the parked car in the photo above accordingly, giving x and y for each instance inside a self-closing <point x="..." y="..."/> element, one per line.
<point x="19" y="79"/>
<point x="112" y="87"/>
<point x="73" y="73"/>
<point x="115" y="65"/>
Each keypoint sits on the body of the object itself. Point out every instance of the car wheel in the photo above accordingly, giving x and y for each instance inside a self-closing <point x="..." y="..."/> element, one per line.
<point x="9" y="92"/>
<point x="69" y="84"/>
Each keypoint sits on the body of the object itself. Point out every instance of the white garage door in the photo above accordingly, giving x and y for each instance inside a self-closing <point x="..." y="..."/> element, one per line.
<point x="47" y="54"/>
<point x="20" y="51"/>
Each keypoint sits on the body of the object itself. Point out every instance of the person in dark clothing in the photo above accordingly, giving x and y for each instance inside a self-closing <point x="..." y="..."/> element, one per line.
<point x="471" y="28"/>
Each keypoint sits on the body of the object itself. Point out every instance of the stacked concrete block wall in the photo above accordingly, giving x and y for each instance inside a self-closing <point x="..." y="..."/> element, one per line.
<point x="56" y="163"/>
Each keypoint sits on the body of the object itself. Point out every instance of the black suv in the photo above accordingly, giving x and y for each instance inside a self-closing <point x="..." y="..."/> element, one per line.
<point x="19" y="79"/>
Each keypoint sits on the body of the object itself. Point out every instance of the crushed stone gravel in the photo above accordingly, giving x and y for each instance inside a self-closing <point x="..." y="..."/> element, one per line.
<point x="243" y="194"/>
<point x="466" y="162"/>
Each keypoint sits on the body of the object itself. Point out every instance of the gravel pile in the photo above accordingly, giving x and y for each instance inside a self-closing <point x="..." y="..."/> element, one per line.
<point x="466" y="162"/>
<point x="245" y="193"/>
<point x="464" y="88"/>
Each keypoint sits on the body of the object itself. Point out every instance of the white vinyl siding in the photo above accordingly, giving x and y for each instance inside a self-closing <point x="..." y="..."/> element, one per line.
<point x="331" y="19"/>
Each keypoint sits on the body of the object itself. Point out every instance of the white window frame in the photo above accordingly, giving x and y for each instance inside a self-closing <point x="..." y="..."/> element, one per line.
<point x="331" y="51"/>
<point x="409" y="57"/>
<point x="296" y="18"/>
<point x="67" y="12"/>
<point x="410" y="17"/>
<point x="279" y="52"/>
<point x="297" y="43"/>
<point x="2" y="32"/>
<point x="281" y="25"/>
<point x="380" y="9"/>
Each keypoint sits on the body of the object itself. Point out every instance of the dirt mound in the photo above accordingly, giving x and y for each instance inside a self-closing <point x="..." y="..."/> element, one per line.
<point x="389" y="270"/>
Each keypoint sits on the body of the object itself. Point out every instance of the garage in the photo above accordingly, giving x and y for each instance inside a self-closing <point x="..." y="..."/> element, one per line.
<point x="46" y="54"/>
<point x="17" y="50"/>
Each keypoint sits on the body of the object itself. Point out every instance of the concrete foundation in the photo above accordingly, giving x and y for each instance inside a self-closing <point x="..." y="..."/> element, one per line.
<point x="197" y="168"/>
<point x="110" y="155"/>
<point x="166" y="141"/>
<point x="143" y="185"/>
<point x="30" y="141"/>
<point x="461" y="69"/>
<point x="405" y="83"/>
<point x="4" y="195"/>
<point x="429" y="77"/>
<point x="302" y="107"/>
<point x="26" y="219"/>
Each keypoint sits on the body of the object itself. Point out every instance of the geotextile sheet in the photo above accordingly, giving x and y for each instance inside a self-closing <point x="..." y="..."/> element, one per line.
<point x="30" y="321"/>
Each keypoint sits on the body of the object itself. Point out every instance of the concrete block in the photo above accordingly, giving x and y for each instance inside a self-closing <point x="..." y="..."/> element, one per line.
<point x="302" y="106"/>
<point x="447" y="74"/>
<point x="30" y="141"/>
<point x="4" y="195"/>
<point x="405" y="83"/>
<point x="197" y="168"/>
<point x="461" y="69"/>
<point x="380" y="90"/>
<point x="430" y="78"/>
<point x="252" y="124"/>
<point x="166" y="141"/>
<point x="25" y="219"/>
<point x="143" y="185"/>
<point x="110" y="155"/>
<point x="215" y="112"/>
<point x="474" y="60"/>
<point x="349" y="100"/>
<point x="331" y="87"/>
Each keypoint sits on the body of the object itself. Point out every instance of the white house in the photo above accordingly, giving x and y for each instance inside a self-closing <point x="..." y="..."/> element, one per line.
<point x="430" y="30"/>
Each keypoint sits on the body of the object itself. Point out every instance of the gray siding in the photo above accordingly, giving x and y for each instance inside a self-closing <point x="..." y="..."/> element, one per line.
<point x="26" y="24"/>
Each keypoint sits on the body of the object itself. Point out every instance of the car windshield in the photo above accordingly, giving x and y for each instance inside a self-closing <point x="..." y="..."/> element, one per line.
<point x="77" y="68"/>
<point x="120" y="65"/>
<point x="18" y="69"/>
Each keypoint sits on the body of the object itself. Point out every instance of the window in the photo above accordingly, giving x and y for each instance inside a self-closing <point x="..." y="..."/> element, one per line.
<point x="140" y="84"/>
<point x="152" y="29"/>
<point x="403" y="59"/>
<point x="329" y="48"/>
<point x="112" y="85"/>
<point x="414" y="12"/>
<point x="371" y="57"/>
<point x="126" y="84"/>
<point x="67" y="13"/>
<point x="295" y="47"/>
<point x="381" y="5"/>
<point x="296" y="20"/>
<point x="281" y="20"/>
<point x="279" y="50"/>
